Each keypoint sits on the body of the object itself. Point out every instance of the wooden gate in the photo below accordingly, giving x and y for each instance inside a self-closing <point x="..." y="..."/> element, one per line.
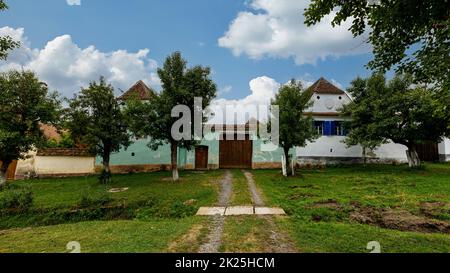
<point x="201" y="158"/>
<point x="428" y="152"/>
<point x="236" y="154"/>
<point x="11" y="172"/>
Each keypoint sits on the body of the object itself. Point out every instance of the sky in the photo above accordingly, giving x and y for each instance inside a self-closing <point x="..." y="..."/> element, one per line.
<point x="252" y="46"/>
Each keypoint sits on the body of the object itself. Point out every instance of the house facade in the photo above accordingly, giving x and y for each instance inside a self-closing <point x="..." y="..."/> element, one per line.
<point x="216" y="151"/>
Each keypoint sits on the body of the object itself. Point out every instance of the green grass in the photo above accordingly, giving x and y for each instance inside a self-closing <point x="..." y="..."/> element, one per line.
<point x="244" y="234"/>
<point x="241" y="193"/>
<point x="67" y="192"/>
<point x="148" y="217"/>
<point x="97" y="237"/>
<point x="372" y="186"/>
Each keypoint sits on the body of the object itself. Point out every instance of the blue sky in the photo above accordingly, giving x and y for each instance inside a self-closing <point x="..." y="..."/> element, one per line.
<point x="235" y="38"/>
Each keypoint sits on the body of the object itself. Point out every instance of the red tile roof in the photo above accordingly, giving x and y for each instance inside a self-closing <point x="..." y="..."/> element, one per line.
<point x="322" y="86"/>
<point x="139" y="90"/>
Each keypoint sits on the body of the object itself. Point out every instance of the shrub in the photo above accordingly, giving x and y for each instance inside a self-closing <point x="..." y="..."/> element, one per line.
<point x="18" y="199"/>
<point x="88" y="201"/>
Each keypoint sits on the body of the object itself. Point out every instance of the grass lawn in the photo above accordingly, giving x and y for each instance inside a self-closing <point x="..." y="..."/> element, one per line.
<point x="66" y="192"/>
<point x="241" y="194"/>
<point x="152" y="213"/>
<point x="320" y="202"/>
<point x="97" y="236"/>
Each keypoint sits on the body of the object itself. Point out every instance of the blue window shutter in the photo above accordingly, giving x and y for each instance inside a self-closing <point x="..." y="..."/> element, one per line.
<point x="333" y="128"/>
<point x="327" y="128"/>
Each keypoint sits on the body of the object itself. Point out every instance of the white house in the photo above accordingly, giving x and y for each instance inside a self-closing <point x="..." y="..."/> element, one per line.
<point x="327" y="101"/>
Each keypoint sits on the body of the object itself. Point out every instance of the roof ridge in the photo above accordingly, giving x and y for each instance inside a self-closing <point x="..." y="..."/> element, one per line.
<point x="323" y="86"/>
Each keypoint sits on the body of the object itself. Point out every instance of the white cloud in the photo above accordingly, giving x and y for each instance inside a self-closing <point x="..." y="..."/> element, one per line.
<point x="224" y="90"/>
<point x="73" y="2"/>
<point x="275" y="28"/>
<point x="263" y="89"/>
<point x="66" y="67"/>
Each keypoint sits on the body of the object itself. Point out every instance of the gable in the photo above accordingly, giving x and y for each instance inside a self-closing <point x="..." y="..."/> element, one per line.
<point x="139" y="90"/>
<point x="327" y="99"/>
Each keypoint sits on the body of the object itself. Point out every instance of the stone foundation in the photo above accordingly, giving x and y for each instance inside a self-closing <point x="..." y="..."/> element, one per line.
<point x="444" y="158"/>
<point x="266" y="165"/>
<point x="321" y="161"/>
<point x="123" y="169"/>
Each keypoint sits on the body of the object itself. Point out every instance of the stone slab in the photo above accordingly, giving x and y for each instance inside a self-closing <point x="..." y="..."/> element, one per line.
<point x="204" y="211"/>
<point x="239" y="211"/>
<point x="269" y="211"/>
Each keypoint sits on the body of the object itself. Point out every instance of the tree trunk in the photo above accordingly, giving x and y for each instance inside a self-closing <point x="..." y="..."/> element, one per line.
<point x="413" y="157"/>
<point x="365" y="155"/>
<point x="174" y="159"/>
<point x="4" y="173"/>
<point x="105" y="178"/>
<point x="288" y="170"/>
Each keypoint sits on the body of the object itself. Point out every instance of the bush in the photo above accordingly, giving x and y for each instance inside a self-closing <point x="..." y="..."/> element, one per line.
<point x="88" y="201"/>
<point x="18" y="199"/>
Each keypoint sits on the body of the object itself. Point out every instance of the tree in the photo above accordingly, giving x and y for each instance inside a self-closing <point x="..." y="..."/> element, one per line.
<point x="397" y="111"/>
<point x="6" y="42"/>
<point x="296" y="128"/>
<point x="412" y="35"/>
<point x="180" y="86"/>
<point x="362" y="111"/>
<point x="25" y="104"/>
<point x="96" y="119"/>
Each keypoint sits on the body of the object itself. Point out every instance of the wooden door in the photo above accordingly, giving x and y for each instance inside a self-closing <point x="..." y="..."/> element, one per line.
<point x="428" y="152"/>
<point x="201" y="158"/>
<point x="236" y="154"/>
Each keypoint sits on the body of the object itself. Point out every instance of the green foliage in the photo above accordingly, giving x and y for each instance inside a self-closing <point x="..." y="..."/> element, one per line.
<point x="89" y="201"/>
<point x="19" y="200"/>
<point x="25" y="103"/>
<point x="6" y="42"/>
<point x="96" y="119"/>
<point x="396" y="110"/>
<point x="180" y="85"/>
<point x="296" y="128"/>
<point x="157" y="209"/>
<point x="412" y="35"/>
<point x="66" y="142"/>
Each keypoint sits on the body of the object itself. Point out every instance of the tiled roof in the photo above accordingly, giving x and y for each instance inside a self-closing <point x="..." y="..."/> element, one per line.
<point x="322" y="86"/>
<point x="64" y="152"/>
<point x="139" y="90"/>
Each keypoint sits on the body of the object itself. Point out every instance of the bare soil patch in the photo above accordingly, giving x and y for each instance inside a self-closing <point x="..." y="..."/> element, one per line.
<point x="189" y="242"/>
<point x="330" y="204"/>
<point x="399" y="220"/>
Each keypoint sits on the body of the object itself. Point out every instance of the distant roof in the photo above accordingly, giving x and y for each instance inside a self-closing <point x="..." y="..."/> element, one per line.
<point x="139" y="90"/>
<point x="322" y="86"/>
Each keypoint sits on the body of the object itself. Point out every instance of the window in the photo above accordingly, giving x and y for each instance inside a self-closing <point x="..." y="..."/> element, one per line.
<point x="339" y="129"/>
<point x="319" y="127"/>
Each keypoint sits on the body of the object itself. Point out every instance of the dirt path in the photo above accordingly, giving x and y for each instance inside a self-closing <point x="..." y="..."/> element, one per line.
<point x="278" y="241"/>
<point x="256" y="195"/>
<point x="214" y="239"/>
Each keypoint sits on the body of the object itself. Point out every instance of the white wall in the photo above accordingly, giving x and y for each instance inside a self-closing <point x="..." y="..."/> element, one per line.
<point x="64" y="165"/>
<point x="444" y="150"/>
<point x="328" y="103"/>
<point x="333" y="147"/>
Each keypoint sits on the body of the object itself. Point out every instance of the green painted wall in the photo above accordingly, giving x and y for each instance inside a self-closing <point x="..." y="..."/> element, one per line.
<point x="143" y="155"/>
